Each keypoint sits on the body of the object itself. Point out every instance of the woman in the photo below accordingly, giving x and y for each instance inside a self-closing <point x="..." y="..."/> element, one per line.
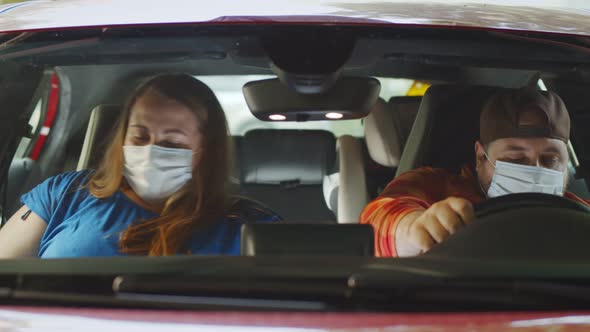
<point x="160" y="189"/>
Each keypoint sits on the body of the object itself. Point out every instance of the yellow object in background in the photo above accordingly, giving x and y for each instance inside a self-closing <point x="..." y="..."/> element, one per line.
<point x="418" y="89"/>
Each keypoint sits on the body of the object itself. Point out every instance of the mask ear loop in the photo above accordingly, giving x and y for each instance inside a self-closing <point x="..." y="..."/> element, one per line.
<point x="483" y="190"/>
<point x="488" y="158"/>
<point x="480" y="185"/>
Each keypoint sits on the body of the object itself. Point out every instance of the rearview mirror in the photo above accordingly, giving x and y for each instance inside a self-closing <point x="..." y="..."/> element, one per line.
<point x="349" y="98"/>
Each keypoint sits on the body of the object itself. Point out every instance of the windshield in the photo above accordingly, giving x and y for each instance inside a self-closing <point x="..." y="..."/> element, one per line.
<point x="372" y="158"/>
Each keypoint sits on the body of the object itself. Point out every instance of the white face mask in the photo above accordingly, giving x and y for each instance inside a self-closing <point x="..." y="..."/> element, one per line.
<point x="155" y="172"/>
<point x="511" y="178"/>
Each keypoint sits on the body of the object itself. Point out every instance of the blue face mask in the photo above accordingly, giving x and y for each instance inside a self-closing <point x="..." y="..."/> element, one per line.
<point x="511" y="178"/>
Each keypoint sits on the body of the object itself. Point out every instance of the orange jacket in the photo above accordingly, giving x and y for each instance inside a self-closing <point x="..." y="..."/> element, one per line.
<point x="416" y="190"/>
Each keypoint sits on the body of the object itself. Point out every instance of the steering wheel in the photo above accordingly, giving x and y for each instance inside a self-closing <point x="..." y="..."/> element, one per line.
<point x="522" y="200"/>
<point x="522" y="226"/>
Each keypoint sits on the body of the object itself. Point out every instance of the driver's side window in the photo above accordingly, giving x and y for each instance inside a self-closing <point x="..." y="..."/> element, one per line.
<point x="576" y="183"/>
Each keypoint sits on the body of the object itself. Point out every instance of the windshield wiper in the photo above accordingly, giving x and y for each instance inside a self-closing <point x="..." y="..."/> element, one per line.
<point x="455" y="293"/>
<point x="405" y="289"/>
<point x="246" y="292"/>
<point x="294" y="284"/>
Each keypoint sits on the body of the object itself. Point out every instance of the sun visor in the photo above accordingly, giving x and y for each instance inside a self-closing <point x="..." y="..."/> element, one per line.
<point x="349" y="98"/>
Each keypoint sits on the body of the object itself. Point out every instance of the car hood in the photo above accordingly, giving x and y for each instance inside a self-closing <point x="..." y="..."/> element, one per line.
<point x="55" y="318"/>
<point x="491" y="14"/>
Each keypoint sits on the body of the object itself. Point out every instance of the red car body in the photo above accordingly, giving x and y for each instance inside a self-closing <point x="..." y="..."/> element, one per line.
<point x="75" y="14"/>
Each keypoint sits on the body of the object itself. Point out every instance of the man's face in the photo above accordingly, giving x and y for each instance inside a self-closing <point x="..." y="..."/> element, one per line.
<point x="541" y="152"/>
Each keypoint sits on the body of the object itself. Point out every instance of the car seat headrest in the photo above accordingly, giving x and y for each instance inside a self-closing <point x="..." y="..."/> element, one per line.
<point x="287" y="157"/>
<point x="387" y="128"/>
<point x="446" y="128"/>
<point x="102" y="120"/>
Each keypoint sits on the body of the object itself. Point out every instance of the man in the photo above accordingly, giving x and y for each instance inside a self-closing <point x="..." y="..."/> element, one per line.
<point x="522" y="148"/>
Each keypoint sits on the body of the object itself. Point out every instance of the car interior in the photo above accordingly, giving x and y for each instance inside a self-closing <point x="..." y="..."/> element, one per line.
<point x="308" y="170"/>
<point x="293" y="166"/>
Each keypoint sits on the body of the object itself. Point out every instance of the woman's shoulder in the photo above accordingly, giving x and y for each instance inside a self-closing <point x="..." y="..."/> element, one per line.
<point x="72" y="181"/>
<point x="71" y="177"/>
<point x="246" y="210"/>
<point x="45" y="198"/>
<point x="59" y="184"/>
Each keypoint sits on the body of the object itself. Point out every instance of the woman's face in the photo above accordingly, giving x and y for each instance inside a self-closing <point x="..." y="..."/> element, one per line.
<point x="156" y="120"/>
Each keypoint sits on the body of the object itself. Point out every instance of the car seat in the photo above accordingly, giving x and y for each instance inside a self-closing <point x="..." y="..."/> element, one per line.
<point x="286" y="168"/>
<point x="446" y="128"/>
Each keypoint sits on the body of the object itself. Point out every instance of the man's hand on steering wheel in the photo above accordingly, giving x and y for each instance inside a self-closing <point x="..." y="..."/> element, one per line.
<point x="421" y="230"/>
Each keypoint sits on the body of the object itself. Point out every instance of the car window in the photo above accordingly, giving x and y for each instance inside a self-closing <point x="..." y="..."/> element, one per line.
<point x="34" y="123"/>
<point x="576" y="182"/>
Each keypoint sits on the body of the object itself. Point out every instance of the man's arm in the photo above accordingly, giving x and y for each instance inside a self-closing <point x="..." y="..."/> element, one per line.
<point x="413" y="213"/>
<point x="421" y="230"/>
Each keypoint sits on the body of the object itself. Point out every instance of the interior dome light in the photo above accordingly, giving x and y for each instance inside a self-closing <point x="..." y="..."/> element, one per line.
<point x="334" y="116"/>
<point x="277" y="117"/>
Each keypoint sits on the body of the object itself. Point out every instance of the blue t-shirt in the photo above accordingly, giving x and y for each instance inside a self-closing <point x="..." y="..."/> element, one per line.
<point x="81" y="225"/>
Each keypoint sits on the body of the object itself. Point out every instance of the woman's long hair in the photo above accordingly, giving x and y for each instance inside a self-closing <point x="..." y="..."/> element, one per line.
<point x="202" y="199"/>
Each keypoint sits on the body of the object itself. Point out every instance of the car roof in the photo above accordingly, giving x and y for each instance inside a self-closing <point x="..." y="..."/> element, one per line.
<point x="552" y="16"/>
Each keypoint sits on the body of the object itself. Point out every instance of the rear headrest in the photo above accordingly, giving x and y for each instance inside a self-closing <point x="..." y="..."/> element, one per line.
<point x="404" y="110"/>
<point x="102" y="120"/>
<point x="387" y="128"/>
<point x="287" y="157"/>
<point x="446" y="127"/>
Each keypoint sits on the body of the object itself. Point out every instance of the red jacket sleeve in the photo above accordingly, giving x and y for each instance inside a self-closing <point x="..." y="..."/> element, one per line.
<point x="412" y="191"/>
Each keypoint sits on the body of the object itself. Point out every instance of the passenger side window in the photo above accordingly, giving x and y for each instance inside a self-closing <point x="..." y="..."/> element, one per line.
<point x="45" y="107"/>
<point x="34" y="123"/>
<point x="21" y="164"/>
